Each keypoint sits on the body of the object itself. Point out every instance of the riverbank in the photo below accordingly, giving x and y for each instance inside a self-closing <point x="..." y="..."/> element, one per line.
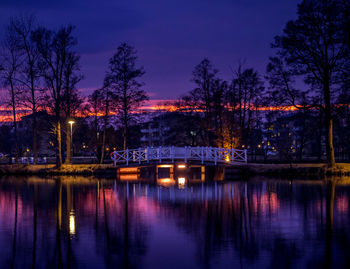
<point x="300" y="169"/>
<point x="50" y="169"/>
<point x="251" y="169"/>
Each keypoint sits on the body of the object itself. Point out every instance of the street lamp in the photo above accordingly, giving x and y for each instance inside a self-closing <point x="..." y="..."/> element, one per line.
<point x="71" y="122"/>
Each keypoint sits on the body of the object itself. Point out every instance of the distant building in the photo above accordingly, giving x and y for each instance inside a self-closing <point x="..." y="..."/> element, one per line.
<point x="45" y="135"/>
<point x="155" y="133"/>
<point x="293" y="135"/>
<point x="171" y="129"/>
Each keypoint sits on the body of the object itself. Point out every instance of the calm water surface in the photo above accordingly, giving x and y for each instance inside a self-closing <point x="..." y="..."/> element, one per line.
<point x="89" y="223"/>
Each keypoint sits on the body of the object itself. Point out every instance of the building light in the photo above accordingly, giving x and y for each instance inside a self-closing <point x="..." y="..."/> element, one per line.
<point x="181" y="166"/>
<point x="259" y="146"/>
<point x="227" y="158"/>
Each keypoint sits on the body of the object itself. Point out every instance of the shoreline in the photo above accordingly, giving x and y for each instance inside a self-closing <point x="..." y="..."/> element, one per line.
<point x="250" y="169"/>
<point x="298" y="169"/>
<point x="67" y="169"/>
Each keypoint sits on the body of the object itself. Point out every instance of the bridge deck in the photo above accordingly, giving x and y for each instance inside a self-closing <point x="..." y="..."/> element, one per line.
<point x="159" y="154"/>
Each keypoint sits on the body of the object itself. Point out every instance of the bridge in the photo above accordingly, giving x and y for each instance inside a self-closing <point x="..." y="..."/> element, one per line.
<point x="171" y="154"/>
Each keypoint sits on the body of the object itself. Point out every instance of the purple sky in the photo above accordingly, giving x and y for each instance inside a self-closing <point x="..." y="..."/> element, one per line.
<point x="171" y="36"/>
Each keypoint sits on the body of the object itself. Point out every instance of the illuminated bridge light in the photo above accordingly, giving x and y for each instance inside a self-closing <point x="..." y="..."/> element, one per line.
<point x="181" y="181"/>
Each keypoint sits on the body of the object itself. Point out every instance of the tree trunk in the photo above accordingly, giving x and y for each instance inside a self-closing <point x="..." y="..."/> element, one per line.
<point x="329" y="124"/>
<point x="125" y="116"/>
<point x="34" y="123"/>
<point x="103" y="141"/>
<point x="330" y="148"/>
<point x="59" y="146"/>
<point x="125" y="134"/>
<point x="35" y="135"/>
<point x="124" y="138"/>
<point x="13" y="105"/>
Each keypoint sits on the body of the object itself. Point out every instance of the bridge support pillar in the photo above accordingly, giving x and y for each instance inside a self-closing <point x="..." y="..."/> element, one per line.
<point x="169" y="166"/>
<point x="202" y="173"/>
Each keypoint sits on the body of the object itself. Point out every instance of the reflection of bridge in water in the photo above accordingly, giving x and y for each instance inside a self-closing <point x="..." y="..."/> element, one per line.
<point x="169" y="165"/>
<point x="171" y="154"/>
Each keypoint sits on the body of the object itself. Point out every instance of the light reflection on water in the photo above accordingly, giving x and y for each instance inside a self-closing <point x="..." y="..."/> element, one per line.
<point x="89" y="223"/>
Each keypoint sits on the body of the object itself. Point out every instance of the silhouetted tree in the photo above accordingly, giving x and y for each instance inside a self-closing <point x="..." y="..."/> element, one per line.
<point x="22" y="28"/>
<point x="244" y="98"/>
<point x="122" y="78"/>
<point x="71" y="100"/>
<point x="314" y="48"/>
<point x="9" y="71"/>
<point x="204" y="76"/>
<point x="54" y="48"/>
<point x="101" y="102"/>
<point x="219" y="93"/>
<point x="95" y="109"/>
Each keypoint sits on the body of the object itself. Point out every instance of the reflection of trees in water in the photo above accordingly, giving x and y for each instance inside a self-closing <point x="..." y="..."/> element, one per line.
<point x="15" y="231"/>
<point x="243" y="220"/>
<point x="39" y="227"/>
<point x="125" y="233"/>
<point x="276" y="218"/>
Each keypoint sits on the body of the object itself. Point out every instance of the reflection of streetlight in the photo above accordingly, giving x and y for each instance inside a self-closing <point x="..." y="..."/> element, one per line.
<point x="71" y="122"/>
<point x="71" y="222"/>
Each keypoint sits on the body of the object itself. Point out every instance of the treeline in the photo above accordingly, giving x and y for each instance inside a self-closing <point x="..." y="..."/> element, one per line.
<point x="230" y="109"/>
<point x="309" y="72"/>
<point x="40" y="70"/>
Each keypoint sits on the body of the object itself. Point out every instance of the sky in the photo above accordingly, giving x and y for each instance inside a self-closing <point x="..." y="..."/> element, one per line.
<point x="171" y="36"/>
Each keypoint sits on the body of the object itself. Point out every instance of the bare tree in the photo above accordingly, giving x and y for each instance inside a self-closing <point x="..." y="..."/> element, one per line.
<point x="22" y="27"/>
<point x="55" y="48"/>
<point x="102" y="103"/>
<point x="94" y="107"/>
<point x="204" y="76"/>
<point x="315" y="48"/>
<point x="122" y="78"/>
<point x="71" y="100"/>
<point x="244" y="98"/>
<point x="219" y="93"/>
<point x="11" y="60"/>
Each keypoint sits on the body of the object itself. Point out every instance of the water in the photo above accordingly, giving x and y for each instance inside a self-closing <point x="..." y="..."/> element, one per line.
<point x="88" y="223"/>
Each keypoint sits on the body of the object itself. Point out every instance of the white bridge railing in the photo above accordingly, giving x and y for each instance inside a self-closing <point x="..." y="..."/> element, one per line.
<point x="203" y="154"/>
